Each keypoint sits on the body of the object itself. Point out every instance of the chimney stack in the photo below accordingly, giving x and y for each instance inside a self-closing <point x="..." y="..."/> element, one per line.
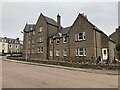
<point x="59" y="22"/>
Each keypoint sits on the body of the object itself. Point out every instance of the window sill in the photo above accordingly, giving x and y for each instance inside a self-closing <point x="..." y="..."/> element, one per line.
<point x="80" y="40"/>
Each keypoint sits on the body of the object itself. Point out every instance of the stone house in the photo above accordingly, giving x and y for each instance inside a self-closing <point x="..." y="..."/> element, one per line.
<point x="81" y="41"/>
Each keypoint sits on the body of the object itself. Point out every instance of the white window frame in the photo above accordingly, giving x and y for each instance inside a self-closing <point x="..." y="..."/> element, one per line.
<point x="77" y="36"/>
<point x="40" y="39"/>
<point x="41" y="49"/>
<point x="40" y="29"/>
<point x="51" y="53"/>
<point x="38" y="49"/>
<point x="65" y="52"/>
<point x="57" y="40"/>
<point x="78" y="51"/>
<point x="2" y="40"/>
<point x="57" y="52"/>
<point x="64" y="39"/>
<point x="28" y="42"/>
<point x="33" y="32"/>
<point x="51" y="41"/>
<point x="33" y="42"/>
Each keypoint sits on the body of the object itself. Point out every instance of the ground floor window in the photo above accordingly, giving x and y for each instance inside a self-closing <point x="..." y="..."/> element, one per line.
<point x="51" y="53"/>
<point x="57" y="52"/>
<point x="40" y="49"/>
<point x="65" y="52"/>
<point x="81" y="52"/>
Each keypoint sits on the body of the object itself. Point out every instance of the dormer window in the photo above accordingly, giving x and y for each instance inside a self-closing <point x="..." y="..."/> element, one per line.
<point x="51" y="41"/>
<point x="57" y="41"/>
<point x="65" y="39"/>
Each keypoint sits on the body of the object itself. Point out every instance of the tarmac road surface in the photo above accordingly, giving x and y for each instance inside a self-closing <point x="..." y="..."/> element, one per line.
<point x="17" y="75"/>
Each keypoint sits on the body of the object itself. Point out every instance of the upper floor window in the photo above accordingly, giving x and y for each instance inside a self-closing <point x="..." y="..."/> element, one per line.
<point x="33" y="32"/>
<point x="80" y="36"/>
<point x="2" y="40"/>
<point x="57" y="52"/>
<point x="40" y="29"/>
<point x="10" y="46"/>
<point x="65" y="52"/>
<point x="29" y="42"/>
<point x="57" y="41"/>
<point x="40" y="39"/>
<point x="16" y="47"/>
<point x="81" y="52"/>
<point x="65" y="39"/>
<point x="32" y="50"/>
<point x="33" y="42"/>
<point x="51" y="41"/>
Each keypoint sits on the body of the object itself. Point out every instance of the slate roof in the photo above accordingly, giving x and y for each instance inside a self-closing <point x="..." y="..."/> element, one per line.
<point x="10" y="40"/>
<point x="28" y="27"/>
<point x="65" y="30"/>
<point x="51" y="21"/>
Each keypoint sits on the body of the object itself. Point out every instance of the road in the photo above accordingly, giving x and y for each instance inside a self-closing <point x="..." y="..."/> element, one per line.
<point x="17" y="75"/>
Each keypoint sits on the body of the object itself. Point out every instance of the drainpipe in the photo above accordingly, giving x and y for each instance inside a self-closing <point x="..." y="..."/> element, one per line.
<point x="96" y="44"/>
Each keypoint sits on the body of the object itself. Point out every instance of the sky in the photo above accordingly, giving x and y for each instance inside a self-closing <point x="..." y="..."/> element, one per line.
<point x="15" y="15"/>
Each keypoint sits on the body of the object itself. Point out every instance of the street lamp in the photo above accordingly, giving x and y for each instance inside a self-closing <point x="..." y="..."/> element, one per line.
<point x="26" y="56"/>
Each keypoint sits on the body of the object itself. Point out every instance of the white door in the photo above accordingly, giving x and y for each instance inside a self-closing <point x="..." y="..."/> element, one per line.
<point x="104" y="53"/>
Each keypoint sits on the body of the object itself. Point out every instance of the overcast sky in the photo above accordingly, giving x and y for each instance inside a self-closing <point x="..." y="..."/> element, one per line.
<point x="15" y="15"/>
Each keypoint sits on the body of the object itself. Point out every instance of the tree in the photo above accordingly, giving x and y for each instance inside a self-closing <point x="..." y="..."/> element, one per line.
<point x="118" y="49"/>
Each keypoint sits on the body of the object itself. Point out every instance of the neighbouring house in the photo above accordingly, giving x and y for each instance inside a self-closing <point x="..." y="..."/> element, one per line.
<point x="9" y="45"/>
<point x="81" y="41"/>
<point x="116" y="37"/>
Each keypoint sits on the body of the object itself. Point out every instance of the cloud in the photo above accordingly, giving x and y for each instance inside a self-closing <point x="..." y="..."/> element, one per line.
<point x="15" y="15"/>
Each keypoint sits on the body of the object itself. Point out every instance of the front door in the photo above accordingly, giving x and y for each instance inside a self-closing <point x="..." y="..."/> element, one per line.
<point x="104" y="54"/>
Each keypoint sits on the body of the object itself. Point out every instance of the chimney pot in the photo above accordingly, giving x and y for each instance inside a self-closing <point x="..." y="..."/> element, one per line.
<point x="59" y="22"/>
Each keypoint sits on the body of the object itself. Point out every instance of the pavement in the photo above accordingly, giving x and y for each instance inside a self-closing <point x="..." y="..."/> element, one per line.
<point x="109" y="72"/>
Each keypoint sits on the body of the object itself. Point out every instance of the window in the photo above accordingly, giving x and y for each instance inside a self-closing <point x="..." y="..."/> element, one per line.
<point x="28" y="42"/>
<point x="57" y="41"/>
<point x="33" y="32"/>
<point x="2" y="40"/>
<point x="65" y="39"/>
<point x="57" y="52"/>
<point x="51" y="53"/>
<point x="33" y="42"/>
<point x="32" y="50"/>
<point x="40" y="39"/>
<point x="31" y="28"/>
<point x="65" y="52"/>
<point x="16" y="50"/>
<point x="10" y="46"/>
<point x="16" y="46"/>
<point x="40" y="29"/>
<point x="51" y="41"/>
<point x="81" y="52"/>
<point x="40" y="49"/>
<point x="80" y="36"/>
